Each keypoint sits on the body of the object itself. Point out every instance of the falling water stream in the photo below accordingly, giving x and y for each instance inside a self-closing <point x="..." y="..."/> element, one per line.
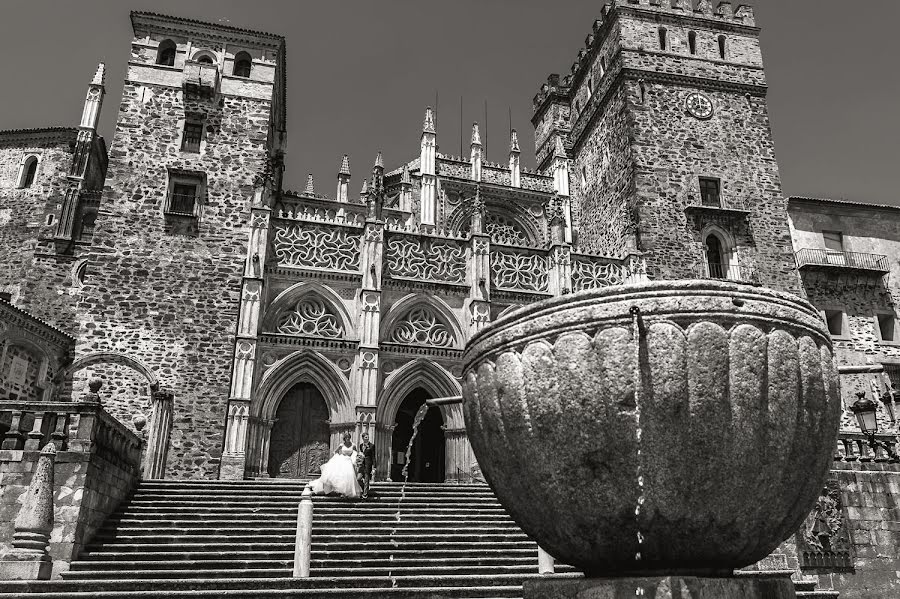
<point x="640" y="387"/>
<point x="417" y="421"/>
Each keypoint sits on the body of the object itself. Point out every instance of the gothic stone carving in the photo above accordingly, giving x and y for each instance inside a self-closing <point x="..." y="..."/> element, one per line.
<point x="823" y="542"/>
<point x="421" y="326"/>
<point x="311" y="316"/>
<point x="519" y="270"/>
<point x="591" y="274"/>
<point x="422" y="258"/>
<point x="505" y="231"/>
<point x="316" y="247"/>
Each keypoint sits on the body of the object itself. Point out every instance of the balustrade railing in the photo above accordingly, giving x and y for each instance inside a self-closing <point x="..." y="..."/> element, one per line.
<point x="856" y="260"/>
<point x="855" y="447"/>
<point x="72" y="426"/>
<point x="726" y="272"/>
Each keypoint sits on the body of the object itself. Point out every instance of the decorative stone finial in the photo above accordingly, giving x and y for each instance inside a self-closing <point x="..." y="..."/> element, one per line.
<point x="379" y="160"/>
<point x="725" y="10"/>
<point x="28" y="559"/>
<point x="514" y="141"/>
<point x="744" y="12"/>
<point x="345" y="165"/>
<point x="428" y="124"/>
<point x="95" y="385"/>
<point x="476" y="136"/>
<point x="93" y="394"/>
<point x="365" y="188"/>
<point x="559" y="150"/>
<point x="100" y="75"/>
<point x="139" y="421"/>
<point x="310" y="187"/>
<point x="704" y="7"/>
<point x="404" y="178"/>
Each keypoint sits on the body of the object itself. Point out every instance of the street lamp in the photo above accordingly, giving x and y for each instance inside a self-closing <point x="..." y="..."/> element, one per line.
<point x="864" y="410"/>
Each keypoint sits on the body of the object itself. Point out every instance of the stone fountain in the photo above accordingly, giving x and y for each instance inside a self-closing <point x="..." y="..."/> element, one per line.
<point x="656" y="436"/>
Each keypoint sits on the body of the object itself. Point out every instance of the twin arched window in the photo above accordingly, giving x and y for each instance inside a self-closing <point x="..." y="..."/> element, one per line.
<point x="29" y="171"/>
<point x="166" y="53"/>
<point x="242" y="65"/>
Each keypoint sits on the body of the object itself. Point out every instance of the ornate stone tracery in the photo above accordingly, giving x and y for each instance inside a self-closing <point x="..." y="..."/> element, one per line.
<point x="591" y="274"/>
<point x="428" y="259"/>
<point x="519" y="270"/>
<point x="421" y="326"/>
<point x="311" y="316"/>
<point x="313" y="246"/>
<point x="505" y="231"/>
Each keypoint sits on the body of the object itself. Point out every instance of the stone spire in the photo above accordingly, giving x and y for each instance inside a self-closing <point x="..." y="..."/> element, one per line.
<point x="90" y="116"/>
<point x="427" y="158"/>
<point x="428" y="123"/>
<point x="343" y="180"/>
<point x="405" y="190"/>
<point x="561" y="184"/>
<point x="310" y="187"/>
<point x="475" y="154"/>
<point x="100" y="75"/>
<point x="379" y="160"/>
<point x="514" y="167"/>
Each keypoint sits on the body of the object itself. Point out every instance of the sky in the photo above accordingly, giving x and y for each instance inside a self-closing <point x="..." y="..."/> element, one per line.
<point x="361" y="72"/>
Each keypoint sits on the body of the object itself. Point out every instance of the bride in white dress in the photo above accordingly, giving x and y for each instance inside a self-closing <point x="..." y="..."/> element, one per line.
<point x="339" y="473"/>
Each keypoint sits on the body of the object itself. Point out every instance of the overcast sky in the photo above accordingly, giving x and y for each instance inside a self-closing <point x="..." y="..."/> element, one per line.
<point x="360" y="73"/>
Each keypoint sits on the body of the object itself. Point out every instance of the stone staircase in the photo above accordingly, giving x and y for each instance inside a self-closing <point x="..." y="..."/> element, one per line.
<point x="236" y="539"/>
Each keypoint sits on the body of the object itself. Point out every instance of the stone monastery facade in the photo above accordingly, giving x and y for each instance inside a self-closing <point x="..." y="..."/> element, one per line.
<point x="253" y="325"/>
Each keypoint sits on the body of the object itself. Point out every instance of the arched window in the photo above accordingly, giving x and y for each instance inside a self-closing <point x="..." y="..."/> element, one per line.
<point x="692" y="42"/>
<point x="722" y="47"/>
<point x="29" y="170"/>
<point x="242" y="65"/>
<point x="204" y="58"/>
<point x="663" y="40"/>
<point x="166" y="53"/>
<point x="716" y="257"/>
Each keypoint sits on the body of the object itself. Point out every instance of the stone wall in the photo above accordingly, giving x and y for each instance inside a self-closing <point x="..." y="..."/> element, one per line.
<point x="169" y="298"/>
<point x="39" y="284"/>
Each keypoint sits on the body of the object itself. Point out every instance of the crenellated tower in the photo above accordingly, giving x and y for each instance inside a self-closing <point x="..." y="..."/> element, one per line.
<point x="664" y="123"/>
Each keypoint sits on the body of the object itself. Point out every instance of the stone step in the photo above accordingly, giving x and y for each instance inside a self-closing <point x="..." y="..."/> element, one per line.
<point x="421" y="569"/>
<point x="184" y="547"/>
<point x="493" y="592"/>
<point x="335" y="529"/>
<point x="382" y="536"/>
<point x="313" y="582"/>
<point x="378" y="489"/>
<point x="275" y="507"/>
<point x="286" y="561"/>
<point x="359" y="521"/>
<point x="201" y="502"/>
<point x="357" y="553"/>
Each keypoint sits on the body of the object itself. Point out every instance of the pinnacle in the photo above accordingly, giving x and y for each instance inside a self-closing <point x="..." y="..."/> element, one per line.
<point x="476" y="136"/>
<point x="514" y="141"/>
<point x="428" y="124"/>
<point x="405" y="177"/>
<point x="100" y="75"/>
<point x="365" y="187"/>
<point x="345" y="166"/>
<point x="379" y="160"/>
<point x="560" y="150"/>
<point x="310" y="188"/>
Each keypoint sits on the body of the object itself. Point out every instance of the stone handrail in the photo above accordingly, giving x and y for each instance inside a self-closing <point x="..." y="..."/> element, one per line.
<point x="854" y="447"/>
<point x="72" y="426"/>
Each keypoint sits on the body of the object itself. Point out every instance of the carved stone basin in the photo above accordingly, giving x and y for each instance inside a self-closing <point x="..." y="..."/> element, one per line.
<point x="678" y="426"/>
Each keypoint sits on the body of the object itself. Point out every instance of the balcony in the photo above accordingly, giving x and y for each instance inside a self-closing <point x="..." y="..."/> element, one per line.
<point x="200" y="79"/>
<point x="736" y="208"/>
<point x="726" y="272"/>
<point x="858" y="262"/>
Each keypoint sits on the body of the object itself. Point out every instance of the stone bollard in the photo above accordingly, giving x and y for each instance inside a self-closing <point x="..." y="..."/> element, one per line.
<point x="304" y="534"/>
<point x="546" y="563"/>
<point x="29" y="559"/>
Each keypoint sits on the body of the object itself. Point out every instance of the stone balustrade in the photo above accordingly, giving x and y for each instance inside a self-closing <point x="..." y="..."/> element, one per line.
<point x="854" y="447"/>
<point x="71" y="426"/>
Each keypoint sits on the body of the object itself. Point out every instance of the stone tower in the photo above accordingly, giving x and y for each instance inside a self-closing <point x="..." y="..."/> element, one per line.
<point x="665" y="125"/>
<point x="201" y="118"/>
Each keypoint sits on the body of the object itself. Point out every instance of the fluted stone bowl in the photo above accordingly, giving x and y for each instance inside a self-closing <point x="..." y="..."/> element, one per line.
<point x="683" y="427"/>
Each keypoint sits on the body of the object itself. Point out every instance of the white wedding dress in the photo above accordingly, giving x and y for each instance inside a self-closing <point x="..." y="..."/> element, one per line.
<point x="339" y="474"/>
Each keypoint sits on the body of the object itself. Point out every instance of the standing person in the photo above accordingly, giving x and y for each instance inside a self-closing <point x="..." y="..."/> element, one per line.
<point x="367" y="467"/>
<point x="339" y="473"/>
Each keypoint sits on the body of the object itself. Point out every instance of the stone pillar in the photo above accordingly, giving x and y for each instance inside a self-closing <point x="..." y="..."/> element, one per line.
<point x="479" y="271"/>
<point x="560" y="255"/>
<point x="561" y="185"/>
<point x="158" y="435"/>
<point x="234" y="455"/>
<point x="29" y="558"/>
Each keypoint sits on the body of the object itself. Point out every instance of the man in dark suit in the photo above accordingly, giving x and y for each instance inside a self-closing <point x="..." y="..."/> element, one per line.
<point x="367" y="463"/>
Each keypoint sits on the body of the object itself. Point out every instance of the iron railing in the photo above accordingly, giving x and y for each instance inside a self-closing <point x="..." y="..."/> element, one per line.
<point x="853" y="260"/>
<point x="726" y="272"/>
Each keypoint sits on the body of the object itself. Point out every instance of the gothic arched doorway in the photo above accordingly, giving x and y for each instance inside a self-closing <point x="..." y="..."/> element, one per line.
<point x="715" y="257"/>
<point x="426" y="459"/>
<point x="299" y="443"/>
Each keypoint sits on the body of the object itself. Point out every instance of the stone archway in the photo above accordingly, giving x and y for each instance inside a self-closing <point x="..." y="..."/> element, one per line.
<point x="426" y="456"/>
<point x="300" y="439"/>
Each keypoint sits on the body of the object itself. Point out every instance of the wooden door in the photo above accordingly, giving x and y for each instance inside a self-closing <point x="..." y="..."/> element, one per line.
<point x="299" y="444"/>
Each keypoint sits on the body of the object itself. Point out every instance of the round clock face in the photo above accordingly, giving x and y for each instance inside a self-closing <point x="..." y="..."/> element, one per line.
<point x="700" y="106"/>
